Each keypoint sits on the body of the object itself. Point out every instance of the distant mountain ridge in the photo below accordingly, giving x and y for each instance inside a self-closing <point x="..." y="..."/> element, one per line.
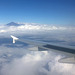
<point x="36" y="24"/>
<point x="13" y="24"/>
<point x="18" y="24"/>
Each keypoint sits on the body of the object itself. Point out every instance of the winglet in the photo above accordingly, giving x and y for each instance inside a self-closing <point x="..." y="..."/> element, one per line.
<point x="14" y="38"/>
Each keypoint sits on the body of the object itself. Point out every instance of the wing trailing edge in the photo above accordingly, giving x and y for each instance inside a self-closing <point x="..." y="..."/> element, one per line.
<point x="42" y="46"/>
<point x="67" y="60"/>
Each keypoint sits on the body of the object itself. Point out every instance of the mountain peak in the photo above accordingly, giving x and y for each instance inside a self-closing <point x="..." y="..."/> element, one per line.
<point x="12" y="24"/>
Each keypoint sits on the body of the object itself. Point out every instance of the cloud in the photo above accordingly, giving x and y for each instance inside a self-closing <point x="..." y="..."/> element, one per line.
<point x="61" y="68"/>
<point x="31" y="27"/>
<point x="20" y="61"/>
<point x="2" y="31"/>
<point x="29" y="65"/>
<point x="33" y="64"/>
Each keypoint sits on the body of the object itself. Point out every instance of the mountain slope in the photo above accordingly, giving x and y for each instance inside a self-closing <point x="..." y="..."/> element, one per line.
<point x="12" y="24"/>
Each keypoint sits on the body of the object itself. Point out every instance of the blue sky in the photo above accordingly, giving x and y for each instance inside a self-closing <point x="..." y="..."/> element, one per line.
<point x="38" y="11"/>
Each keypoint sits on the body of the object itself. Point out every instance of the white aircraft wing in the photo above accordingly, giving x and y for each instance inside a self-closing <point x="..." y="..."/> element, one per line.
<point x="42" y="46"/>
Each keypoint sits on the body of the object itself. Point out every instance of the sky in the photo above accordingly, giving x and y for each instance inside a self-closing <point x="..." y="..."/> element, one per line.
<point x="16" y="59"/>
<point x="38" y="11"/>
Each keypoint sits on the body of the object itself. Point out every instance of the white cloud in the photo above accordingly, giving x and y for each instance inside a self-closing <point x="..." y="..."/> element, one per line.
<point x="36" y="63"/>
<point x="30" y="27"/>
<point x="33" y="64"/>
<point x="2" y="31"/>
<point x="27" y="65"/>
<point x="61" y="68"/>
<point x="33" y="28"/>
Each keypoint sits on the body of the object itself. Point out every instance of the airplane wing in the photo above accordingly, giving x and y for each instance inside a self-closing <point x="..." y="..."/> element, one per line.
<point x="43" y="46"/>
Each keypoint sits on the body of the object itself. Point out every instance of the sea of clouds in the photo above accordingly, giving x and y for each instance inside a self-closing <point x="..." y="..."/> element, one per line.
<point x="19" y="60"/>
<point x="25" y="27"/>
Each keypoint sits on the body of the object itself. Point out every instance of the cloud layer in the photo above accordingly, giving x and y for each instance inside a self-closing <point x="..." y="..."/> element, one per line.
<point x="36" y="64"/>
<point x="18" y="60"/>
<point x="32" y="27"/>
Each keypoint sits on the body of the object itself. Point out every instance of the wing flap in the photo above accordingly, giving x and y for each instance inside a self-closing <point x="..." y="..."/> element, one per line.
<point x="67" y="60"/>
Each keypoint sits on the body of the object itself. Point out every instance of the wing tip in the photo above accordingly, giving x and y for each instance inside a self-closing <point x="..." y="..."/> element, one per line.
<point x="14" y="38"/>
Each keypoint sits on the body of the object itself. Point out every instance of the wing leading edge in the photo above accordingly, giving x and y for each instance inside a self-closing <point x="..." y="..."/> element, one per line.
<point x="45" y="45"/>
